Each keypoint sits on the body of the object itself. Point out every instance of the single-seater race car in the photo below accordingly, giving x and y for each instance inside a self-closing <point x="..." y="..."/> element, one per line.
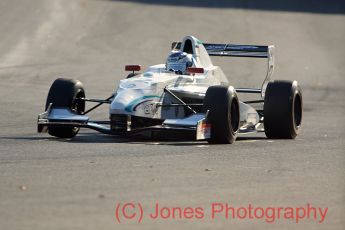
<point x="187" y="95"/>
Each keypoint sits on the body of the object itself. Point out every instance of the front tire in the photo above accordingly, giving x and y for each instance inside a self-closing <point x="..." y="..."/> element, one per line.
<point x="64" y="93"/>
<point x="224" y="114"/>
<point x="283" y="108"/>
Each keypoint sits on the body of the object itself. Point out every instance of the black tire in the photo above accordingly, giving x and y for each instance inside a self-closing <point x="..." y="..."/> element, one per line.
<point x="63" y="93"/>
<point x="224" y="113"/>
<point x="283" y="109"/>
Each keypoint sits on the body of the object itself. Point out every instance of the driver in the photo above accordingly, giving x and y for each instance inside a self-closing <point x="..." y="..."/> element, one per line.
<point x="179" y="61"/>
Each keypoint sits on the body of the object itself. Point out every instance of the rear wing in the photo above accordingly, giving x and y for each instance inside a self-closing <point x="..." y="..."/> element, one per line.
<point x="250" y="51"/>
<point x="232" y="50"/>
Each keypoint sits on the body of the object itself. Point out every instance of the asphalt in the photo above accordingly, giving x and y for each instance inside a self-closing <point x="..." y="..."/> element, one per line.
<point x="50" y="183"/>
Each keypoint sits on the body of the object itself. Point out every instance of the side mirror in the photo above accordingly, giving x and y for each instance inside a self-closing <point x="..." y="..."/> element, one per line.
<point x="132" y="68"/>
<point x="195" y="70"/>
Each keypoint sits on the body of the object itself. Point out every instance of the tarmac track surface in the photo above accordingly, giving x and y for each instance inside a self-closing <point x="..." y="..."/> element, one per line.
<point x="49" y="183"/>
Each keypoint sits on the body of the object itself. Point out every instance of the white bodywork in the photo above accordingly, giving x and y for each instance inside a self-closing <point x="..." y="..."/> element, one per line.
<point x="143" y="94"/>
<point x="161" y="100"/>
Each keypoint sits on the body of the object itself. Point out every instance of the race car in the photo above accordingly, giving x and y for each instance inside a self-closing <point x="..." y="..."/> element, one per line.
<point x="185" y="95"/>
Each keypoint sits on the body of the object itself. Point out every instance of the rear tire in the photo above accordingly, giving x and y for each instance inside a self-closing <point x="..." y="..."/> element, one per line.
<point x="224" y="113"/>
<point x="283" y="108"/>
<point x="63" y="93"/>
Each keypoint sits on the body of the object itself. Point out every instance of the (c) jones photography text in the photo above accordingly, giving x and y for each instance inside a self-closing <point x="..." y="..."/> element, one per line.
<point x="136" y="212"/>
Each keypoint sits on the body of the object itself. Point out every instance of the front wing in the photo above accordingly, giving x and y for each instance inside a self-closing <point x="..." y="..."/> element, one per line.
<point x="196" y="125"/>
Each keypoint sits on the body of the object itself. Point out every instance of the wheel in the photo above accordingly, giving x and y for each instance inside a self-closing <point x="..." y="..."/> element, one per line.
<point x="283" y="108"/>
<point x="224" y="113"/>
<point x="63" y="93"/>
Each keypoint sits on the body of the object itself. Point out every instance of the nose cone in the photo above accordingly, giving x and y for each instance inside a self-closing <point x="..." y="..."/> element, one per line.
<point x="122" y="102"/>
<point x="132" y="95"/>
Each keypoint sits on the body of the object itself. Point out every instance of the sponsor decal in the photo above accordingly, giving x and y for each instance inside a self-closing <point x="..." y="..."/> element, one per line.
<point x="133" y="104"/>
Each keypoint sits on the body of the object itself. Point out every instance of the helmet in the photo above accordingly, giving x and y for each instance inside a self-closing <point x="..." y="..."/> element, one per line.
<point x="179" y="61"/>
